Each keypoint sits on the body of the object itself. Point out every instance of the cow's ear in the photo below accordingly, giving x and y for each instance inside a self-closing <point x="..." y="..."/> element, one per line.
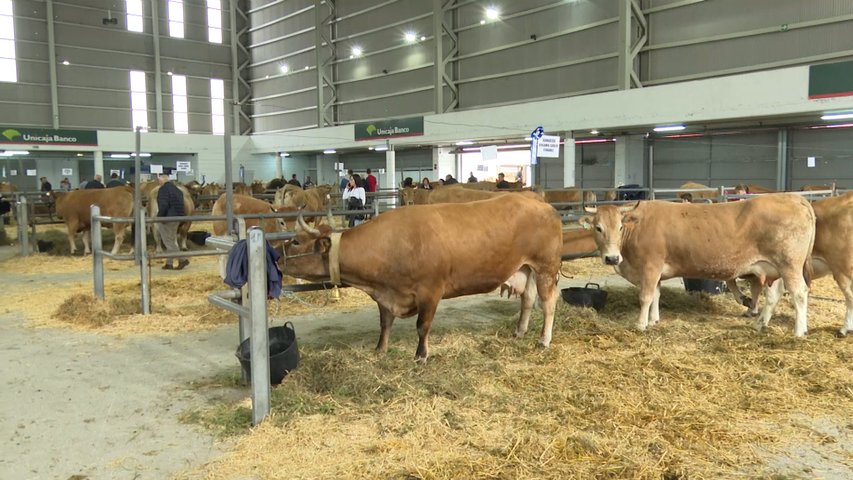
<point x="325" y="244"/>
<point x="586" y="222"/>
<point x="591" y="209"/>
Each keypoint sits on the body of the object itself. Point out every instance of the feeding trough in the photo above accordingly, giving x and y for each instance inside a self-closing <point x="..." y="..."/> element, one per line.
<point x="713" y="287"/>
<point x="585" y="296"/>
<point x="284" y="353"/>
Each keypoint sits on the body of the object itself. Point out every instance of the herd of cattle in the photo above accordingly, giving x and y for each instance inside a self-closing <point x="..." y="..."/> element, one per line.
<point x="468" y="238"/>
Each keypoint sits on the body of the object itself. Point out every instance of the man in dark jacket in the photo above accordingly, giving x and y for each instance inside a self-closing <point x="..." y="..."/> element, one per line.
<point x="170" y="203"/>
<point x="115" y="181"/>
<point x="96" y="183"/>
<point x="293" y="181"/>
<point x="501" y="183"/>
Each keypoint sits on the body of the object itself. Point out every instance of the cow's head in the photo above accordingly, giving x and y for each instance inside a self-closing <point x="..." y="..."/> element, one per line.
<point x="407" y="196"/>
<point x="608" y="223"/>
<point x="305" y="255"/>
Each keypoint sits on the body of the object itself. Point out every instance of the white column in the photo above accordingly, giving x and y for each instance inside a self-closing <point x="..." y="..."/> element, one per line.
<point x="443" y="162"/>
<point x="99" y="163"/>
<point x="326" y="173"/>
<point x="389" y="180"/>
<point x="278" y="167"/>
<point x="568" y="153"/>
<point x="629" y="165"/>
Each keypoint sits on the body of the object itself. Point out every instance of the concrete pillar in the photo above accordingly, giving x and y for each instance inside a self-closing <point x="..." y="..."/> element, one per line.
<point x="630" y="161"/>
<point x="443" y="162"/>
<point x="99" y="163"/>
<point x="326" y="173"/>
<point x="278" y="167"/>
<point x="389" y="180"/>
<point x="568" y="154"/>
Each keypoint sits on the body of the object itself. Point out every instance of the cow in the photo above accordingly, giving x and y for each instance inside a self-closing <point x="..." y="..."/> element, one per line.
<point x="258" y="187"/>
<point x="74" y="208"/>
<point x="241" y="188"/>
<point x="8" y="187"/>
<point x="832" y="252"/>
<point x="195" y="189"/>
<point x="414" y="196"/>
<point x="275" y="184"/>
<point x="244" y="204"/>
<point x="407" y="269"/>
<point x="183" y="228"/>
<point x="492" y="186"/>
<point x="754" y="189"/>
<point x="312" y="200"/>
<point x="569" y="195"/>
<point x="814" y="188"/>
<point x="209" y="190"/>
<point x="653" y="241"/>
<point x="709" y="194"/>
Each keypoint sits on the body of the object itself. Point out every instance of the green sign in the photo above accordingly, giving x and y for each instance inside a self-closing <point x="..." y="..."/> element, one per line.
<point x="831" y="80"/>
<point x="401" y="127"/>
<point x="11" y="135"/>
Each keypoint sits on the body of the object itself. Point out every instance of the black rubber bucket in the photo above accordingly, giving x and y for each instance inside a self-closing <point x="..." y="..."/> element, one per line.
<point x="585" y="297"/>
<point x="713" y="287"/>
<point x="284" y="353"/>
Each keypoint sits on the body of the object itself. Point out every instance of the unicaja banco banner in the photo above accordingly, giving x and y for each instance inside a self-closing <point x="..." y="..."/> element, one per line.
<point x="401" y="127"/>
<point x="12" y="135"/>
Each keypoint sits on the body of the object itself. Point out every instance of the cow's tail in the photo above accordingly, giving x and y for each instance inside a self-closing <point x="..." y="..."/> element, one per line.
<point x="808" y="270"/>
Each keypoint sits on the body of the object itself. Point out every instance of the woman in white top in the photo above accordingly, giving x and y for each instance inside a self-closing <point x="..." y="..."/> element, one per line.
<point x="354" y="198"/>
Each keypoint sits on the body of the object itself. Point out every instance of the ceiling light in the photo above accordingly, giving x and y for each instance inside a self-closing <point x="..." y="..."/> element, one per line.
<point x="307" y="67"/>
<point x="482" y="22"/>
<point x="465" y="142"/>
<point x="66" y="62"/>
<point x="284" y="154"/>
<point x="492" y="13"/>
<point x="594" y="140"/>
<point x="169" y="73"/>
<point x="330" y="151"/>
<point x="528" y="139"/>
<point x="17" y="152"/>
<point x="837" y="116"/>
<point x="356" y="52"/>
<point x="381" y="148"/>
<point x="119" y="155"/>
<point x="423" y="38"/>
<point x="283" y="67"/>
<point x="410" y="37"/>
<point x="593" y="132"/>
<point x="79" y="154"/>
<point x="670" y="128"/>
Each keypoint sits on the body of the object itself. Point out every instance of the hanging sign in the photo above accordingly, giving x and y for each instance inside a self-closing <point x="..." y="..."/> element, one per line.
<point x="400" y="127"/>
<point x="67" y="171"/>
<point x="548" y="146"/>
<point x="183" y="166"/>
<point x="48" y="137"/>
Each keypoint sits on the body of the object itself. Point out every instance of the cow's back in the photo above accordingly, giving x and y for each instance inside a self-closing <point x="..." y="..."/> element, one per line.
<point x="76" y="205"/>
<point x="834" y="237"/>
<point x="243" y="204"/>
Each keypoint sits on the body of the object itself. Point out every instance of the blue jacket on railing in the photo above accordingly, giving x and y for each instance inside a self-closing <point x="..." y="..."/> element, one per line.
<point x="237" y="268"/>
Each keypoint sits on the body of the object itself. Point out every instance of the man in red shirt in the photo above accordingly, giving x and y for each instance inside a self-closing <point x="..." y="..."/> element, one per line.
<point x="371" y="182"/>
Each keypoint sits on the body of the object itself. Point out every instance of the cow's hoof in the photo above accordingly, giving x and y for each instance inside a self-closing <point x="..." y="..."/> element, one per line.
<point x="750" y="314"/>
<point x="758" y="326"/>
<point x="518" y="334"/>
<point x="800" y="334"/>
<point x="641" y="328"/>
<point x="543" y="344"/>
<point x="421" y="360"/>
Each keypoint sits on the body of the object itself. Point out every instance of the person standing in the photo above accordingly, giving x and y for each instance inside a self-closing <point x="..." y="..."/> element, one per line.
<point x="502" y="183"/>
<point x="170" y="203"/>
<point x="307" y="183"/>
<point x="45" y="185"/>
<point x="345" y="180"/>
<point x="65" y="185"/>
<point x="449" y="180"/>
<point x="472" y="178"/>
<point x="96" y="183"/>
<point x="354" y="198"/>
<point x="371" y="181"/>
<point x="115" y="181"/>
<point x="293" y="181"/>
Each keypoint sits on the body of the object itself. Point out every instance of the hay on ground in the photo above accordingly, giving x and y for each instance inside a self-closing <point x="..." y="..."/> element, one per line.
<point x="701" y="395"/>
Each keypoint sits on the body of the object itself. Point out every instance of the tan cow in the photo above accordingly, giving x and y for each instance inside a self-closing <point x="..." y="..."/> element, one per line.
<point x="710" y="194"/>
<point x="407" y="269"/>
<point x="7" y="187"/>
<point x="208" y="190"/>
<point x="768" y="237"/>
<point x="312" y="200"/>
<point x="833" y="251"/>
<point x="414" y="196"/>
<point x="74" y="209"/>
<point x="569" y="195"/>
<point x="183" y="228"/>
<point x="244" y="204"/>
<point x="814" y="188"/>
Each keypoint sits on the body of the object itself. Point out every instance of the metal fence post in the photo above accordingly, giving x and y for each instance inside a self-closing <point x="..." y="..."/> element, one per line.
<point x="259" y="343"/>
<point x="31" y="221"/>
<point x="245" y="323"/>
<point x="144" y="264"/>
<point x="97" y="252"/>
<point x="23" y="224"/>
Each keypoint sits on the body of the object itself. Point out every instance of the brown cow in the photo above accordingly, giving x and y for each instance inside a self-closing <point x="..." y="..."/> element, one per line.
<point x="833" y="251"/>
<point x="768" y="237"/>
<point x="567" y="195"/>
<point x="208" y="190"/>
<point x="407" y="269"/>
<point x="74" y="209"/>
<point x="710" y="194"/>
<point x="312" y="200"/>
<point x="183" y="228"/>
<point x="258" y="187"/>
<point x="244" y="204"/>
<point x="814" y="188"/>
<point x="414" y="196"/>
<point x="7" y="187"/>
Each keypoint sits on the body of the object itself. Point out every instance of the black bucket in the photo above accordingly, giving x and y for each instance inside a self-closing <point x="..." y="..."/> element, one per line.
<point x="585" y="297"/>
<point x="713" y="287"/>
<point x="284" y="353"/>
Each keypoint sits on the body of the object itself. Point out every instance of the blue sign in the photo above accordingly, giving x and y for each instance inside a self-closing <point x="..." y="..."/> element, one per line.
<point x="535" y="135"/>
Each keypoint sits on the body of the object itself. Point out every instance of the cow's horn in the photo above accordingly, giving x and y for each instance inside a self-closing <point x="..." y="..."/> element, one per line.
<point x="592" y="209"/>
<point x="304" y="226"/>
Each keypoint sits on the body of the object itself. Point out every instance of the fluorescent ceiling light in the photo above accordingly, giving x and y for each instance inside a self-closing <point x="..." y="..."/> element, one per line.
<point x="423" y="38"/>
<point x="528" y="139"/>
<point x="482" y="22"/>
<point x="133" y="154"/>
<point x="9" y="153"/>
<point x="119" y="155"/>
<point x="837" y="116"/>
<point x="593" y="132"/>
<point x="66" y="62"/>
<point x="381" y="148"/>
<point x="492" y="13"/>
<point x="594" y="140"/>
<point x="79" y="154"/>
<point x="465" y="142"/>
<point x="410" y="37"/>
<point x="283" y="67"/>
<point x="330" y="151"/>
<point x="670" y="128"/>
<point x="284" y="154"/>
